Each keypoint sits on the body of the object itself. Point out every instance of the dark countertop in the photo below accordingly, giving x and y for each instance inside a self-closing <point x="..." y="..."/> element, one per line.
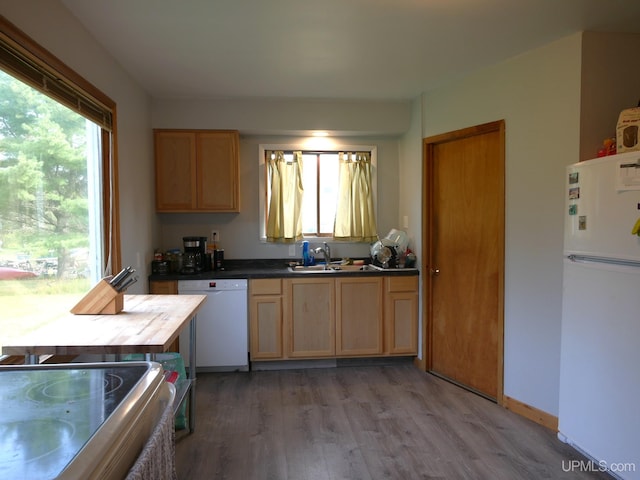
<point x="270" y="268"/>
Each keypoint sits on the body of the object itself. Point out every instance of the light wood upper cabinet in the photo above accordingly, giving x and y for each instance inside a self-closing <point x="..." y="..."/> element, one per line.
<point x="359" y="316"/>
<point x="175" y="154"/>
<point x="197" y="170"/>
<point x="217" y="171"/>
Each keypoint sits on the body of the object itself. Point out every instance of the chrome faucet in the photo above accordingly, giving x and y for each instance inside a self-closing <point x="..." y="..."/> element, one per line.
<point x="326" y="251"/>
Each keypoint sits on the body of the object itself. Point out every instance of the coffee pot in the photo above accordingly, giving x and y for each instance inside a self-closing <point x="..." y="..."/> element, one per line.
<point x="193" y="260"/>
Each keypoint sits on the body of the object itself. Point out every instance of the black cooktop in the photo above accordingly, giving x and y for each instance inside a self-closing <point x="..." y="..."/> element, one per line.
<point x="49" y="412"/>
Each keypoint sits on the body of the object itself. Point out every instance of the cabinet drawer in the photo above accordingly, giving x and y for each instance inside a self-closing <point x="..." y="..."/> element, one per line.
<point x="402" y="284"/>
<point x="266" y="286"/>
<point x="168" y="287"/>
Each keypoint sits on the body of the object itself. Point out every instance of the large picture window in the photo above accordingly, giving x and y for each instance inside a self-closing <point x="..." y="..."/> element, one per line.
<point x="58" y="211"/>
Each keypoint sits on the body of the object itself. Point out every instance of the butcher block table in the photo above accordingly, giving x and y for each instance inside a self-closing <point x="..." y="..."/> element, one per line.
<point x="148" y="324"/>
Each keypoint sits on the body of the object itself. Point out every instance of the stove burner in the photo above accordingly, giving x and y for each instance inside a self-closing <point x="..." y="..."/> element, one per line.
<point x="79" y="386"/>
<point x="18" y="447"/>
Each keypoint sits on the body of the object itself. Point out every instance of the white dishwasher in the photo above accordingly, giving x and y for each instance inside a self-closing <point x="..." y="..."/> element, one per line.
<point x="222" y="331"/>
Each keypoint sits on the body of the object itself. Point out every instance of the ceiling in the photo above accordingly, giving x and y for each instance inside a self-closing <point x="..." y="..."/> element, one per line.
<point x="330" y="49"/>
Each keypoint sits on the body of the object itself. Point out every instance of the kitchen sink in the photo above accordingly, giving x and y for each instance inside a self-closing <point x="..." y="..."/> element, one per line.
<point x="334" y="269"/>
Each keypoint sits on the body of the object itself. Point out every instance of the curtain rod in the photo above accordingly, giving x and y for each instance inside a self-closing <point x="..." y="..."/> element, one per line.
<point x="321" y="152"/>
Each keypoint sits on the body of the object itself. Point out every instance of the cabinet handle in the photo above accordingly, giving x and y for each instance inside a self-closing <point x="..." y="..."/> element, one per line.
<point x="435" y="272"/>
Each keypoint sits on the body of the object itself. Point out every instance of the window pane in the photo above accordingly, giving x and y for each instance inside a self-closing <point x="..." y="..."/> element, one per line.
<point x="50" y="207"/>
<point x="310" y="197"/>
<point x="328" y="191"/>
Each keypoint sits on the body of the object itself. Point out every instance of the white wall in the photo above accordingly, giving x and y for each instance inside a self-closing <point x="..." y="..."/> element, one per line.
<point x="51" y="25"/>
<point x="260" y="116"/>
<point x="609" y="85"/>
<point x="410" y="193"/>
<point x="538" y="96"/>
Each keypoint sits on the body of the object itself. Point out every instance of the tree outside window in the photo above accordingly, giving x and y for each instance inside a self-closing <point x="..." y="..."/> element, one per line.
<point x="49" y="205"/>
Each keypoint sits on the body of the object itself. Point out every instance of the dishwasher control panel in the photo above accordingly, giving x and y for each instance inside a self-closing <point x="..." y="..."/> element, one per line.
<point x="185" y="286"/>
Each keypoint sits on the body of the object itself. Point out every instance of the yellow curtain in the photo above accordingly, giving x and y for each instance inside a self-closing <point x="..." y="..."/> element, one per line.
<point x="355" y="216"/>
<point x="284" y="218"/>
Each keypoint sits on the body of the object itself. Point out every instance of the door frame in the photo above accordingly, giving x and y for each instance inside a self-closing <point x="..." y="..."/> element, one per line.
<point x="428" y="145"/>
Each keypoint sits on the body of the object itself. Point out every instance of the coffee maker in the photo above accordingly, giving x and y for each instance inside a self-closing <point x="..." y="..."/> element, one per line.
<point x="195" y="249"/>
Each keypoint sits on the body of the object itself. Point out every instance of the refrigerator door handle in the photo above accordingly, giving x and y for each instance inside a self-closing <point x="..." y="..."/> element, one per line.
<point x="612" y="261"/>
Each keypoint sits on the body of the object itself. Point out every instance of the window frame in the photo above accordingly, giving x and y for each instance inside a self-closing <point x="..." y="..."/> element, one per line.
<point x="28" y="62"/>
<point x="334" y="147"/>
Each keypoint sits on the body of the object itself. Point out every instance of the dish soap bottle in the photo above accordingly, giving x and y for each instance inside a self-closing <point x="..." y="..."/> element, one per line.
<point x="306" y="258"/>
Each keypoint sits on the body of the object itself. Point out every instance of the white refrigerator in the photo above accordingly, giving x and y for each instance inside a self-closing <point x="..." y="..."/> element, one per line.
<point x="599" y="409"/>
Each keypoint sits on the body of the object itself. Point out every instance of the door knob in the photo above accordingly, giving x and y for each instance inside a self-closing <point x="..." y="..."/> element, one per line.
<point x="435" y="272"/>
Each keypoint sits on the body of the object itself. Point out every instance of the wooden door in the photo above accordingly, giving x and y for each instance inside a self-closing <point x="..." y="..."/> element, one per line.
<point x="464" y="237"/>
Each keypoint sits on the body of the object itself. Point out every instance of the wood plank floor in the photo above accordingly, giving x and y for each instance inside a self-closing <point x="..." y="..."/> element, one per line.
<point x="360" y="423"/>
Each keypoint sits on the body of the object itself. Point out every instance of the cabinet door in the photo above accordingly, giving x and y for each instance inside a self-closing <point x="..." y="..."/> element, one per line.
<point x="265" y="327"/>
<point x="165" y="287"/>
<point x="359" y="316"/>
<point x="175" y="156"/>
<point x="310" y="317"/>
<point x="218" y="159"/>
<point x="401" y="316"/>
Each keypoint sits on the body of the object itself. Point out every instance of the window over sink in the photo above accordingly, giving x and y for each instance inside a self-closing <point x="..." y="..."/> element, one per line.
<point x="315" y="177"/>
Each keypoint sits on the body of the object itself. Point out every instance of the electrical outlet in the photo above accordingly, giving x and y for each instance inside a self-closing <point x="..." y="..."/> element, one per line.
<point x="215" y="236"/>
<point x="292" y="250"/>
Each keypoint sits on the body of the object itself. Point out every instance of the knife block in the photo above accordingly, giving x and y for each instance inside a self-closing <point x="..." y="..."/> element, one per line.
<point x="100" y="300"/>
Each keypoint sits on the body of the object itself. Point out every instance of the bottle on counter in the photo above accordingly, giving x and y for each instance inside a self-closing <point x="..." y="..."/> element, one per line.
<point x="306" y="255"/>
<point x="217" y="255"/>
<point x="219" y="259"/>
<point x="211" y="253"/>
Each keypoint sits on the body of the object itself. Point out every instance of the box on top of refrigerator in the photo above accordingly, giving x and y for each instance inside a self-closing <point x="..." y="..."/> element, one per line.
<point x="627" y="138"/>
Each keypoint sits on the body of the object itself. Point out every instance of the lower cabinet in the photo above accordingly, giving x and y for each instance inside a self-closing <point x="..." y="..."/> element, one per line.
<point x="310" y="317"/>
<point x="359" y="316"/>
<point x="265" y="319"/>
<point x="401" y="315"/>
<point x="321" y="317"/>
<point x="165" y="287"/>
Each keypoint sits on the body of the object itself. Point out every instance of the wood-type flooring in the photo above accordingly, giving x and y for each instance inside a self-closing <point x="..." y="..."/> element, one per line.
<point x="362" y="423"/>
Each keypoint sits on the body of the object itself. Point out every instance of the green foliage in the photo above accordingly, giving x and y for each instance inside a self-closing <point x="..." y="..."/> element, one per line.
<point x="43" y="172"/>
